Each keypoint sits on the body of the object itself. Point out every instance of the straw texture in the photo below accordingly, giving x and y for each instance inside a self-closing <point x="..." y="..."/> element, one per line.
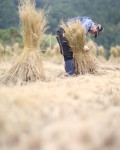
<point x="28" y="66"/>
<point x="84" y="61"/>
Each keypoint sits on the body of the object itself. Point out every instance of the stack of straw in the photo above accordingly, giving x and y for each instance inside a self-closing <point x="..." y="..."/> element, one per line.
<point x="84" y="61"/>
<point x="101" y="51"/>
<point x="115" y="51"/>
<point x="28" y="66"/>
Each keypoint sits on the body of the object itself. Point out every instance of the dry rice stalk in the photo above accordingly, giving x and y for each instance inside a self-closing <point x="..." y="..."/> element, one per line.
<point x="84" y="62"/>
<point x="2" y="49"/>
<point x="118" y="49"/>
<point x="28" y="67"/>
<point x="56" y="50"/>
<point x="15" y="47"/>
<point x="92" y="46"/>
<point x="114" y="52"/>
<point x="101" y="54"/>
<point x="57" y="57"/>
<point x="48" y="52"/>
<point x="115" y="55"/>
<point x="101" y="51"/>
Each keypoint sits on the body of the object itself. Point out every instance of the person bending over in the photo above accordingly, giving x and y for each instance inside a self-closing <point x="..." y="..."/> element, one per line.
<point x="65" y="49"/>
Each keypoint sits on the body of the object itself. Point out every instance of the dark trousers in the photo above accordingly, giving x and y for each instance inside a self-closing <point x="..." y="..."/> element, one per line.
<point x="65" y="49"/>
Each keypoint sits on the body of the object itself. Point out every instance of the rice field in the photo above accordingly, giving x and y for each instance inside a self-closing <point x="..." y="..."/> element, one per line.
<point x="58" y="112"/>
<point x="62" y="113"/>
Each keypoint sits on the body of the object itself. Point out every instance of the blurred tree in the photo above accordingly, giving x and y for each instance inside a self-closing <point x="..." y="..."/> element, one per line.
<point x="8" y="13"/>
<point x="106" y="12"/>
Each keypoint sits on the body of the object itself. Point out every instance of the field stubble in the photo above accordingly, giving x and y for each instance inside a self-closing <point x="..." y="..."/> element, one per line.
<point x="64" y="113"/>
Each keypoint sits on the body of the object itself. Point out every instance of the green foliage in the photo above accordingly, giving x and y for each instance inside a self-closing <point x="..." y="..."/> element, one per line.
<point x="8" y="13"/>
<point x="13" y="35"/>
<point x="10" y="36"/>
<point x="106" y="12"/>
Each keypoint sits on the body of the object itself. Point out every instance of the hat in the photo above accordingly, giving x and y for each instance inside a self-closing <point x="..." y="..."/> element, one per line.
<point x="100" y="28"/>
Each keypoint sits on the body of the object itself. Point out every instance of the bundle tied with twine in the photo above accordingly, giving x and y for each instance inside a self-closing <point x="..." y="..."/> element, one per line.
<point x="28" y="66"/>
<point x="84" y="61"/>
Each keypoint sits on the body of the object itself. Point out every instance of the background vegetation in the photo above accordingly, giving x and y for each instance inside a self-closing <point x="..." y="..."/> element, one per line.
<point x="106" y="12"/>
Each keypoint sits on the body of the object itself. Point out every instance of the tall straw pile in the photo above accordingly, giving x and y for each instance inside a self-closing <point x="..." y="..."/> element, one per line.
<point x="115" y="51"/>
<point x="84" y="61"/>
<point x="101" y="51"/>
<point x="54" y="54"/>
<point x="2" y="49"/>
<point x="101" y="54"/>
<point x="28" y="66"/>
<point x="115" y="55"/>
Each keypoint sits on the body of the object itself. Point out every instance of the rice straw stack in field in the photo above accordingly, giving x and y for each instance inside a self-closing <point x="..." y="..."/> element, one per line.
<point x="2" y="49"/>
<point x="48" y="52"/>
<point x="101" y="51"/>
<point x="115" y="55"/>
<point x="53" y="55"/>
<point x="101" y="58"/>
<point x="114" y="52"/>
<point x="8" y="49"/>
<point x="92" y="46"/>
<point x="84" y="61"/>
<point x="52" y="52"/>
<point x="28" y="66"/>
<point x="57" y="57"/>
<point x="118" y="49"/>
<point x="56" y="49"/>
<point x="15" y="47"/>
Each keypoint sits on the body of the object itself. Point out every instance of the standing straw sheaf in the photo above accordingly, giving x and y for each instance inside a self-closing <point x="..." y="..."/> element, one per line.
<point x="84" y="61"/>
<point x="101" y="51"/>
<point x="115" y="51"/>
<point x="115" y="55"/>
<point x="28" y="66"/>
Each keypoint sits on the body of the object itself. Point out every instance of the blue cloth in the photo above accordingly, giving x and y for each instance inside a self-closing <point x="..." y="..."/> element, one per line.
<point x="69" y="68"/>
<point x="87" y="23"/>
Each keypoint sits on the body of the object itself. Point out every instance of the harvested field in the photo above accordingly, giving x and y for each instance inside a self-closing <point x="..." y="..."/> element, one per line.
<point x="62" y="113"/>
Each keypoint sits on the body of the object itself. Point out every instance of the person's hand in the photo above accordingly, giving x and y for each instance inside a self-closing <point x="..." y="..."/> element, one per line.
<point x="86" y="48"/>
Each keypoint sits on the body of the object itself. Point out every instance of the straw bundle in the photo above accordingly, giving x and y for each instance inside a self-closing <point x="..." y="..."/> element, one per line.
<point x="56" y="49"/>
<point x="114" y="52"/>
<point x="101" y="51"/>
<point x="15" y="47"/>
<point x="57" y="57"/>
<point x="28" y="67"/>
<point x="101" y="56"/>
<point x="2" y="49"/>
<point x="118" y="49"/>
<point x="92" y="46"/>
<point x="83" y="60"/>
<point x="115" y="55"/>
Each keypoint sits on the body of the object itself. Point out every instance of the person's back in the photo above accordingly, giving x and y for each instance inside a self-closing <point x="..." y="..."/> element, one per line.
<point x="87" y="22"/>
